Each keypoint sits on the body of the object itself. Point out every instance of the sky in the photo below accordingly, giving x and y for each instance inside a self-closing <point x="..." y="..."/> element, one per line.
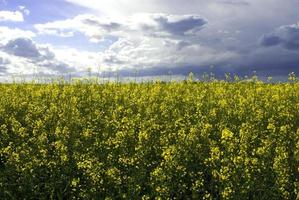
<point x="149" y="37"/>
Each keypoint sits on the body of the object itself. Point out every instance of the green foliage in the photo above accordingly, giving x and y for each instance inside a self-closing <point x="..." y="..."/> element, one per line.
<point x="185" y="140"/>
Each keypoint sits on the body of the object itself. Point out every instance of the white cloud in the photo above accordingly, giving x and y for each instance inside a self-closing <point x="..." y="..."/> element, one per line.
<point x="125" y="8"/>
<point x="7" y="34"/>
<point x="151" y="25"/>
<point x="89" y="25"/>
<point x="79" y="60"/>
<point x="24" y="10"/>
<point x="20" y="54"/>
<point x="145" y="40"/>
<point x="15" y="16"/>
<point x="155" y="34"/>
<point x="155" y="52"/>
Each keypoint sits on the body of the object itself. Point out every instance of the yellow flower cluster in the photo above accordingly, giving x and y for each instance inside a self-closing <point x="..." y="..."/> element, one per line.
<point x="179" y="140"/>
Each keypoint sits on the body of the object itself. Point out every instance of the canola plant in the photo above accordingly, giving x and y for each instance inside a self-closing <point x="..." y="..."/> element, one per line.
<point x="179" y="140"/>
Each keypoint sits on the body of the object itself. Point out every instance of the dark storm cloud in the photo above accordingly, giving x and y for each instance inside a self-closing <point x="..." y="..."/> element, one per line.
<point x="180" y="25"/>
<point x="268" y="62"/>
<point x="218" y="71"/>
<point x="286" y="36"/>
<point x="22" y="47"/>
<point x="168" y="73"/>
<point x="27" y="48"/>
<point x="235" y="2"/>
<point x="109" y="26"/>
<point x="270" y="40"/>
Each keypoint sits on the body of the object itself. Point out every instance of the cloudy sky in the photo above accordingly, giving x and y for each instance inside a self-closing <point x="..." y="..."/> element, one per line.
<point x="149" y="37"/>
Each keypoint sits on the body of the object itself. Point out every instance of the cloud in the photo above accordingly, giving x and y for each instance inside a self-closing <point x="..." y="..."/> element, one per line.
<point x="96" y="28"/>
<point x="22" y="47"/>
<point x="24" y="55"/>
<point x="92" y="27"/>
<point x="270" y="40"/>
<point x="81" y="61"/>
<point x="3" y="63"/>
<point x="268" y="62"/>
<point x="163" y="24"/>
<point x="7" y="34"/>
<point x="181" y="25"/>
<point x="145" y="41"/>
<point x="287" y="36"/>
<point x="19" y="53"/>
<point x="180" y="44"/>
<point x="15" y="16"/>
<point x="105" y="24"/>
<point x="151" y="53"/>
<point x="157" y="36"/>
<point x="24" y="10"/>
<point x="235" y="2"/>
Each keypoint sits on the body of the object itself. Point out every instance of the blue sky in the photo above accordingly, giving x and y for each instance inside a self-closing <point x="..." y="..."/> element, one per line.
<point x="71" y="37"/>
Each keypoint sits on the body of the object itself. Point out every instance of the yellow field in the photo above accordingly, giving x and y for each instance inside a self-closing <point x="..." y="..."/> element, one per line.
<point x="185" y="140"/>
